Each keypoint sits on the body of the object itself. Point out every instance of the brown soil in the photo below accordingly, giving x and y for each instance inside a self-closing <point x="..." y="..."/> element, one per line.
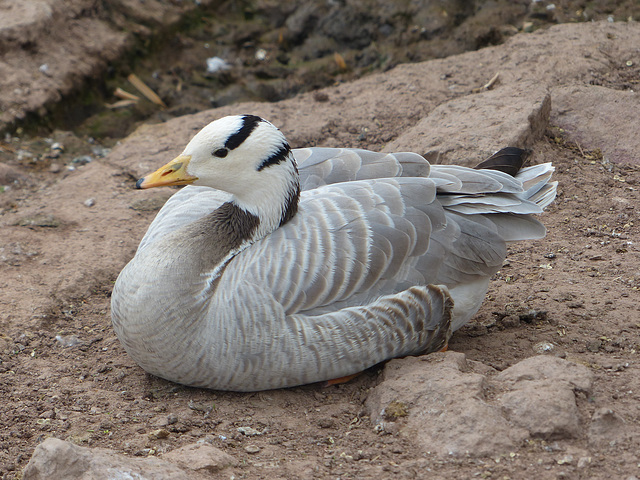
<point x="63" y="372"/>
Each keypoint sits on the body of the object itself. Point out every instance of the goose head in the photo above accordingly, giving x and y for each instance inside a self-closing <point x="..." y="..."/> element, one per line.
<point x="245" y="156"/>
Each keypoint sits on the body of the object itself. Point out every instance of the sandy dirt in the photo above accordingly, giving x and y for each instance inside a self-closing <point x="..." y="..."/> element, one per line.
<point x="63" y="372"/>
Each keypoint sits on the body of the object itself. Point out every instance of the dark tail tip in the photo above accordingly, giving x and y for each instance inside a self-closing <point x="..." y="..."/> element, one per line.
<point x="509" y="160"/>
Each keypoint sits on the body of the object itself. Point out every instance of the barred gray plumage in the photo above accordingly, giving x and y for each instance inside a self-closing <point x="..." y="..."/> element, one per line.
<point x="385" y="257"/>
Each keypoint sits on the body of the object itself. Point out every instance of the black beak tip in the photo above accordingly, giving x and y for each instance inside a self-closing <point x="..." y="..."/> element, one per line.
<point x="139" y="183"/>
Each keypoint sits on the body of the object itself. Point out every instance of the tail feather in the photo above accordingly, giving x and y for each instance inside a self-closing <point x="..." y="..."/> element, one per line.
<point x="536" y="174"/>
<point x="545" y="195"/>
<point x="489" y="206"/>
<point x="508" y="160"/>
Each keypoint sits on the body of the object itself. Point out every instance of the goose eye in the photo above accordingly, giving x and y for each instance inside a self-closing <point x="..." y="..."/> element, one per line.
<point x="220" y="153"/>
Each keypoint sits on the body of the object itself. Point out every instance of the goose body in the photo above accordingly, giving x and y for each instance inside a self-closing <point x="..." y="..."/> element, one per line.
<point x="282" y="267"/>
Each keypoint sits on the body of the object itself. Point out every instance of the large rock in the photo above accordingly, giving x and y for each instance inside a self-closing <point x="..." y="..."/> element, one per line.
<point x="57" y="459"/>
<point x="596" y="117"/>
<point x="468" y="129"/>
<point x="440" y="402"/>
<point x="541" y="396"/>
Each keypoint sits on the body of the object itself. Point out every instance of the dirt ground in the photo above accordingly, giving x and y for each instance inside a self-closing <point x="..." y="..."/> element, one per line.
<point x="63" y="372"/>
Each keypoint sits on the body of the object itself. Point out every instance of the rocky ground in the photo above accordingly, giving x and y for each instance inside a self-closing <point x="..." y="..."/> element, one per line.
<point x="542" y="384"/>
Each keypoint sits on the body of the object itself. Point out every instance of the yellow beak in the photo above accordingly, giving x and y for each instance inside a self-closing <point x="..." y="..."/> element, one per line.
<point x="173" y="173"/>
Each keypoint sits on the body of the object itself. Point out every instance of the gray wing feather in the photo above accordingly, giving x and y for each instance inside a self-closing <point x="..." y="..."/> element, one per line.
<point x="496" y="200"/>
<point x="513" y="228"/>
<point x="473" y="181"/>
<point x="480" y="181"/>
<point x="327" y="257"/>
<point x="471" y="208"/>
<point x="300" y="348"/>
<point x="325" y="166"/>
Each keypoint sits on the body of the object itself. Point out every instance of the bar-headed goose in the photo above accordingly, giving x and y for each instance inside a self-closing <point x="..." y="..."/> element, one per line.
<point x="280" y="267"/>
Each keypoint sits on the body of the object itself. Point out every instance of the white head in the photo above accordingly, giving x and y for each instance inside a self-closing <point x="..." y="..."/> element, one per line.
<point x="243" y="155"/>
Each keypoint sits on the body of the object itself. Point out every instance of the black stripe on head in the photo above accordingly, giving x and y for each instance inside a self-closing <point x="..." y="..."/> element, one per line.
<point x="278" y="156"/>
<point x="249" y="123"/>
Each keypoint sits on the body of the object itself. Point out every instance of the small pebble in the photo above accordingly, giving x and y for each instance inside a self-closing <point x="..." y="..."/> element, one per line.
<point x="594" y="345"/>
<point x="326" y="423"/>
<point x="89" y="202"/>
<point x="584" y="462"/>
<point x="543" y="347"/>
<point x="510" y="321"/>
<point x="70" y="341"/>
<point x="172" y="419"/>
<point x="158" y="434"/>
<point x="82" y="160"/>
<point x="100" y="151"/>
<point x="249" y="431"/>
<point x="216" y="64"/>
<point x="567" y="459"/>
<point x="252" y="449"/>
<point x="210" y="439"/>
<point x="55" y="168"/>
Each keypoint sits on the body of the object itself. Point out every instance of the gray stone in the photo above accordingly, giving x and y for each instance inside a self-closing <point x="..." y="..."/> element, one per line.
<point x="200" y="457"/>
<point x="56" y="458"/>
